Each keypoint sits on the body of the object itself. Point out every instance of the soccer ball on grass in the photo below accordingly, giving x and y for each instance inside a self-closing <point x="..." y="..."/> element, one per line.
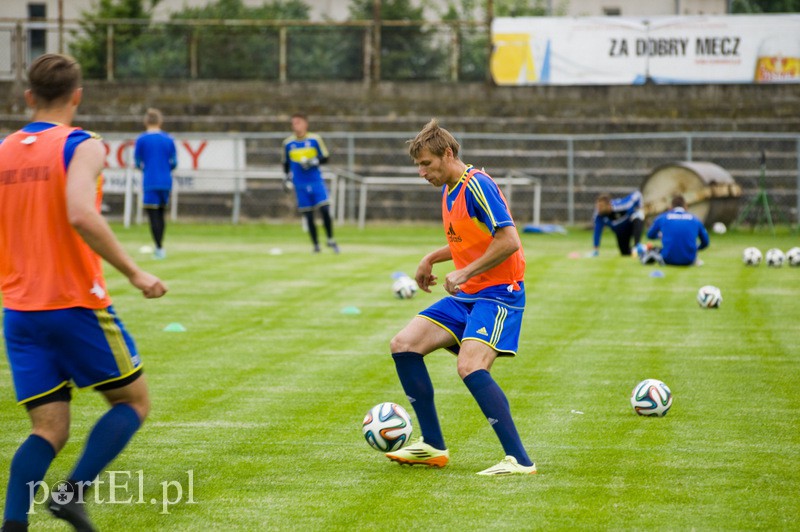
<point x="387" y="427"/>
<point x="793" y="257"/>
<point x="404" y="287"/>
<point x="775" y="258"/>
<point x="652" y="398"/>
<point x="751" y="256"/>
<point x="709" y="297"/>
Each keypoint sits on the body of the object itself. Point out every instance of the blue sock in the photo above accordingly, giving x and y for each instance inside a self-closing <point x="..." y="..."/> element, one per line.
<point x="110" y="435"/>
<point x="29" y="465"/>
<point x="419" y="389"/>
<point x="495" y="407"/>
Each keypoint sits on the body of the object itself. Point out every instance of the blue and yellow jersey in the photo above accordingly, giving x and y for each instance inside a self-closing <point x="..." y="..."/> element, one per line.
<point x="297" y="150"/>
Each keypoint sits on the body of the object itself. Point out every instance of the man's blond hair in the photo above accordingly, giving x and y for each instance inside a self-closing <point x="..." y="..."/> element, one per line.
<point x="153" y="117"/>
<point x="435" y="138"/>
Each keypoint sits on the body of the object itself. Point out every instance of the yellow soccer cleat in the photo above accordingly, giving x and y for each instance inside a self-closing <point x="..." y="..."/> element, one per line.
<point x="420" y="453"/>
<point x="509" y="466"/>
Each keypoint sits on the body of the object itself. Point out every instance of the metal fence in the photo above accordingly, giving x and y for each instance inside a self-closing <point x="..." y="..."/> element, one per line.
<point x="274" y="50"/>
<point x="374" y="178"/>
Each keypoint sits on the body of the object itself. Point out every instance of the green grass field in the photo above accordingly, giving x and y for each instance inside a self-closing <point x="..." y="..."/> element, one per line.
<point x="259" y="403"/>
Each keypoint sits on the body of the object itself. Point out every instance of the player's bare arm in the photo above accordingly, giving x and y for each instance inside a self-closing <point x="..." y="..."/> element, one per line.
<point x="504" y="244"/>
<point x="85" y="166"/>
<point x="424" y="276"/>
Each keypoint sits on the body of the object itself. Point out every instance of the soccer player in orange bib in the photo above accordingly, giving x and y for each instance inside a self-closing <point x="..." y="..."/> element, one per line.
<point x="480" y="319"/>
<point x="59" y="326"/>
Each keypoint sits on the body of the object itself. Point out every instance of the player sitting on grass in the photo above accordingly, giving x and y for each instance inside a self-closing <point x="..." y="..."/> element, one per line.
<point x="679" y="232"/>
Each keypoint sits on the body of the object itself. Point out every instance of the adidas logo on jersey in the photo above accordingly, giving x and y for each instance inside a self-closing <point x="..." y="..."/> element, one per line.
<point x="452" y="236"/>
<point x="482" y="331"/>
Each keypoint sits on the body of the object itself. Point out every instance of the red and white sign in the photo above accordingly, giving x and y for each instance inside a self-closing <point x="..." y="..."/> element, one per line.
<point x="195" y="155"/>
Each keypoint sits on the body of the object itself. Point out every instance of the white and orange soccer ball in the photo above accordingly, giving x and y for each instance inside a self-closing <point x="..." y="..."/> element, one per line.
<point x="387" y="427"/>
<point x="651" y="398"/>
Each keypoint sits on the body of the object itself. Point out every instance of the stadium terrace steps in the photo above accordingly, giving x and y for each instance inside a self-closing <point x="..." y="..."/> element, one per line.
<point x="247" y="106"/>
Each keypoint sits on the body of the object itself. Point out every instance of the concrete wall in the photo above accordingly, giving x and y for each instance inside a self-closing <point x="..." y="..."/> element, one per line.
<point x="479" y="107"/>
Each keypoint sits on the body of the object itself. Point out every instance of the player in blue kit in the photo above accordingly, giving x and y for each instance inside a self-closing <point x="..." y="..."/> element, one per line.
<point x="679" y="232"/>
<point x="625" y="216"/>
<point x="155" y="155"/>
<point x="303" y="152"/>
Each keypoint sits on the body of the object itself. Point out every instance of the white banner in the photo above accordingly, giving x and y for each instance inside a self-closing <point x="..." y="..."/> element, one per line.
<point x="622" y="51"/>
<point x="195" y="156"/>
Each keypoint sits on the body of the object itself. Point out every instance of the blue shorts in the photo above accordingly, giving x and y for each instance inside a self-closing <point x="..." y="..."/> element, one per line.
<point x="311" y="195"/>
<point x="49" y="348"/>
<point x="155" y="198"/>
<point x="485" y="320"/>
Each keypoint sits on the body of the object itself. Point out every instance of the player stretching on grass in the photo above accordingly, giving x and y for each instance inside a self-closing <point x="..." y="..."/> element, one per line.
<point x="625" y="216"/>
<point x="58" y="321"/>
<point x="481" y="318"/>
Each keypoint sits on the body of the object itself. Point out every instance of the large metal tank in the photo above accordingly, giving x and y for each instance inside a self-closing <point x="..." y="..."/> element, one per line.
<point x="710" y="192"/>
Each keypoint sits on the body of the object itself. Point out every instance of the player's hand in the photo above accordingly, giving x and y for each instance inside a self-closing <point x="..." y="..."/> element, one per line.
<point x="425" y="282"/>
<point x="452" y="282"/>
<point x="151" y="286"/>
<point x="424" y="276"/>
<point x="287" y="184"/>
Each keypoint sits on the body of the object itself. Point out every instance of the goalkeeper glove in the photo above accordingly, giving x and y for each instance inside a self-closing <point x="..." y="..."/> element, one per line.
<point x="287" y="184"/>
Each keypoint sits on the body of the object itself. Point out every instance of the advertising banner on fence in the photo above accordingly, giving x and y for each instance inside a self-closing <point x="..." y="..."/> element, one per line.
<point x="629" y="51"/>
<point x="195" y="156"/>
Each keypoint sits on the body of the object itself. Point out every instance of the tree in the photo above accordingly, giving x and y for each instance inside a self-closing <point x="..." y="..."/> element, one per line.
<point x="240" y="52"/>
<point x="407" y="52"/>
<point x="765" y="6"/>
<point x="473" y="60"/>
<point x="89" y="44"/>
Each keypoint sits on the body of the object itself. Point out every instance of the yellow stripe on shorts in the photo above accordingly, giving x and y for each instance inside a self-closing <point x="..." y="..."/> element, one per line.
<point x="499" y="319"/>
<point x="115" y="340"/>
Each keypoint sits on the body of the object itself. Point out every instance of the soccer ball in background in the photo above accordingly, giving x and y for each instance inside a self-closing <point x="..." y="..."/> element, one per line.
<point x="719" y="228"/>
<point x="387" y="427"/>
<point x="709" y="297"/>
<point x="404" y="287"/>
<point x="793" y="257"/>
<point x="751" y="256"/>
<point x="775" y="258"/>
<point x="651" y="397"/>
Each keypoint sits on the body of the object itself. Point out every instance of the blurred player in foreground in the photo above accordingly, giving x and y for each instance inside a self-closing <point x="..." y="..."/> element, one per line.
<point x="480" y="319"/>
<point x="625" y="216"/>
<point x="156" y="157"/>
<point x="679" y="232"/>
<point x="303" y="152"/>
<point x="58" y="322"/>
